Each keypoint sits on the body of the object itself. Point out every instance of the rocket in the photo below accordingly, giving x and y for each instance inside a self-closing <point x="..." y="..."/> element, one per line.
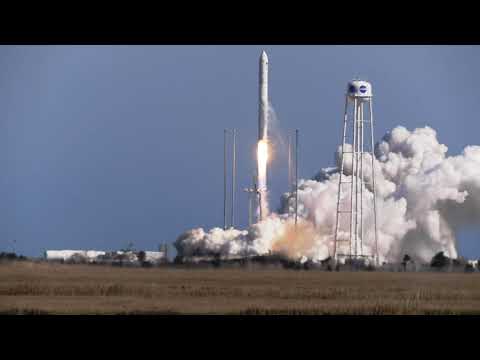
<point x="262" y="146"/>
<point x="263" y="97"/>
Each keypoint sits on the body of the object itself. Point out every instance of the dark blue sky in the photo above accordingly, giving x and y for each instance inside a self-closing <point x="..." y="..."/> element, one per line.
<point x="106" y="145"/>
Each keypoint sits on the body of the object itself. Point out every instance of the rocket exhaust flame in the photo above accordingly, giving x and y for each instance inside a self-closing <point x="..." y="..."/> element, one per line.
<point x="262" y="158"/>
<point x="262" y="161"/>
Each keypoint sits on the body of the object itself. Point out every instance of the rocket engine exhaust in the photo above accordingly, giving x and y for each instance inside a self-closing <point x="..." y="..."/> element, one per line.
<point x="262" y="159"/>
<point x="262" y="146"/>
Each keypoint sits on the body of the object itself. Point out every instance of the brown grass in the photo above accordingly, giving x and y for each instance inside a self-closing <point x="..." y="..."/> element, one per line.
<point x="40" y="288"/>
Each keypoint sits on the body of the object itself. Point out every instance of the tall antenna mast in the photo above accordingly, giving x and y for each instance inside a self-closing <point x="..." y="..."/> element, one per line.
<point x="250" y="209"/>
<point x="290" y="162"/>
<point x="234" y="170"/>
<point x="225" y="179"/>
<point x="232" y="223"/>
<point x="359" y="93"/>
<point x="296" y="177"/>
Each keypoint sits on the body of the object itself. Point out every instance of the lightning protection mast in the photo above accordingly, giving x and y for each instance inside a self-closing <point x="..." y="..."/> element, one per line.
<point x="225" y="180"/>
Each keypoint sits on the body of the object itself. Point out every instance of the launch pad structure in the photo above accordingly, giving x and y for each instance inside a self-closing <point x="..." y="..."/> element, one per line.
<point x="359" y="94"/>
<point x="349" y="241"/>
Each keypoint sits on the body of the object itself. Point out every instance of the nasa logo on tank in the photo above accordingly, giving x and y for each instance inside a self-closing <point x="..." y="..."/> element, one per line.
<point x="363" y="89"/>
<point x="352" y="89"/>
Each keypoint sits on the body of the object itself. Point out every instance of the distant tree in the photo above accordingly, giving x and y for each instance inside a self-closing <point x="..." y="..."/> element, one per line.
<point x="469" y="268"/>
<point x="8" y="256"/>
<point x="141" y="256"/>
<point x="327" y="261"/>
<point x="216" y="260"/>
<point x="77" y="259"/>
<point x="405" y="261"/>
<point x="440" y="261"/>
<point x="178" y="259"/>
<point x="459" y="263"/>
<point x="146" y="264"/>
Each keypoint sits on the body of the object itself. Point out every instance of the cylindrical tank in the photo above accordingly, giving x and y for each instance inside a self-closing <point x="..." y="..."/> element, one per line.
<point x="359" y="89"/>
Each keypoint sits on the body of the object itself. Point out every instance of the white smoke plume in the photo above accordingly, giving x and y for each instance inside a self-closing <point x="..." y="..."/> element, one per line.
<point x="423" y="198"/>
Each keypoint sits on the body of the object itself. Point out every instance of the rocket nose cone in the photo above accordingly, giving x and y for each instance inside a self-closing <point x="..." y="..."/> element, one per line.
<point x="264" y="57"/>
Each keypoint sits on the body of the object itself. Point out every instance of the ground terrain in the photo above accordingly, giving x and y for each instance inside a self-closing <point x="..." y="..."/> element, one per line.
<point x="42" y="288"/>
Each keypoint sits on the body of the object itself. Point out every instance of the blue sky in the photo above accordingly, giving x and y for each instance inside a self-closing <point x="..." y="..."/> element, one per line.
<point x="106" y="145"/>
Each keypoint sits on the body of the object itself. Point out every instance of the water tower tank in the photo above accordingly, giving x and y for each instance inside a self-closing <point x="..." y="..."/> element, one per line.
<point x="359" y="89"/>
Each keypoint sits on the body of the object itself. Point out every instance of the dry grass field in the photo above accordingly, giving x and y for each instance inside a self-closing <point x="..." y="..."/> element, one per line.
<point x="41" y="288"/>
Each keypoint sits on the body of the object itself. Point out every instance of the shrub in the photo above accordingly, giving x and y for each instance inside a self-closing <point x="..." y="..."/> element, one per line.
<point x="440" y="261"/>
<point x="7" y="256"/>
<point x="405" y="261"/>
<point x="459" y="262"/>
<point x="141" y="256"/>
<point x="216" y="261"/>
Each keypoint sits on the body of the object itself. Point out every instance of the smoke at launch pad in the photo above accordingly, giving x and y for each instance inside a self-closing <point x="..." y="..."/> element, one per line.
<point x="423" y="198"/>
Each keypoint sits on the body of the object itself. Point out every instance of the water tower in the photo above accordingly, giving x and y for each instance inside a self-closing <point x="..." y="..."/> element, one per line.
<point x="349" y="227"/>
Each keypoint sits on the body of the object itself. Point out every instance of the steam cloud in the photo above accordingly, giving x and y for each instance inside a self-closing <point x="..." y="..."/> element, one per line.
<point x="423" y="198"/>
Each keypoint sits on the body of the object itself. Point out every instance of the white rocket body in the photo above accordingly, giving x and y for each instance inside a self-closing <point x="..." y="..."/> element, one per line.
<point x="263" y="98"/>
<point x="262" y="150"/>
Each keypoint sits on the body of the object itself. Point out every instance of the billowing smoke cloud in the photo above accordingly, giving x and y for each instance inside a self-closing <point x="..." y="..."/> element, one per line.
<point x="423" y="198"/>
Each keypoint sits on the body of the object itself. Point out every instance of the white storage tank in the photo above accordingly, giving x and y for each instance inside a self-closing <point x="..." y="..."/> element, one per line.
<point x="359" y="89"/>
